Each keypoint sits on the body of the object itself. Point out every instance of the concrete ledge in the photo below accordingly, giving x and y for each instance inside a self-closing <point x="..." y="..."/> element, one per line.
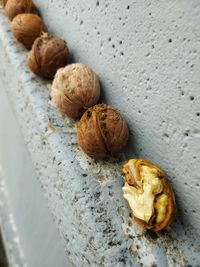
<point x="84" y="196"/>
<point x="10" y="236"/>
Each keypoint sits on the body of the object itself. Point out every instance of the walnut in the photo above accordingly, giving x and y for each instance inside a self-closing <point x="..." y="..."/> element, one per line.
<point x="48" y="54"/>
<point x="27" y="27"/>
<point x="149" y="194"/>
<point x="75" y="88"/>
<point x="3" y="2"/>
<point x="16" y="7"/>
<point x="102" y="131"/>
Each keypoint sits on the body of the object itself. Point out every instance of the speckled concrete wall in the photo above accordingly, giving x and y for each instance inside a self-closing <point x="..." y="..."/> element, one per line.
<point x="146" y="54"/>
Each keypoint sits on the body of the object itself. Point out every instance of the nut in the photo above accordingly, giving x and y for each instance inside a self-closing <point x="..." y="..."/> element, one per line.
<point x="16" y="7"/>
<point x="149" y="194"/>
<point x="3" y="2"/>
<point x="75" y="88"/>
<point x="102" y="131"/>
<point x="27" y="27"/>
<point x="48" y="54"/>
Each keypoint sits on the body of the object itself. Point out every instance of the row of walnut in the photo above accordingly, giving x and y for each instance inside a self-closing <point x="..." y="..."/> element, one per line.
<point x="102" y="130"/>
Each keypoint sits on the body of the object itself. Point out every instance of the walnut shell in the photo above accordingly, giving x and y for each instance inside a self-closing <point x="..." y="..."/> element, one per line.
<point x="162" y="212"/>
<point x="75" y="88"/>
<point x="48" y="54"/>
<point x="16" y="7"/>
<point x="3" y="2"/>
<point x="27" y="27"/>
<point x="102" y="131"/>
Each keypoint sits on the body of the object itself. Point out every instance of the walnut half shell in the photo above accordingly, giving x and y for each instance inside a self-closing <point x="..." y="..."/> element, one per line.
<point x="149" y="194"/>
<point x="102" y="131"/>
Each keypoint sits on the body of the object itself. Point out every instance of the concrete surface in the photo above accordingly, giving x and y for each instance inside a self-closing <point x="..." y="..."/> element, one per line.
<point x="3" y="259"/>
<point x="147" y="55"/>
<point x="30" y="235"/>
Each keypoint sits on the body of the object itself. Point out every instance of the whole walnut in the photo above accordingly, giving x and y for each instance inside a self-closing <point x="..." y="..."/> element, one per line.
<point x="48" y="54"/>
<point x="102" y="131"/>
<point x="27" y="27"/>
<point x="75" y="88"/>
<point x="16" y="7"/>
<point x="3" y="2"/>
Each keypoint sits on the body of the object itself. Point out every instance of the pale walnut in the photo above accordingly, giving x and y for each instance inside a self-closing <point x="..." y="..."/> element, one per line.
<point x="75" y="88"/>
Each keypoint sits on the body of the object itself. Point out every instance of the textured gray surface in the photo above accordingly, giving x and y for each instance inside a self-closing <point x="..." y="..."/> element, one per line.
<point x="147" y="55"/>
<point x="3" y="259"/>
<point x="28" y="229"/>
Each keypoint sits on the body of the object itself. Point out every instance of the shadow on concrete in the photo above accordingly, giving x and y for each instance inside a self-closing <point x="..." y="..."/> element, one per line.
<point x="3" y="260"/>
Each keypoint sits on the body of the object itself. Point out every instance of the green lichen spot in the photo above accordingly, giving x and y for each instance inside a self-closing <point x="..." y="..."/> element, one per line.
<point x="102" y="116"/>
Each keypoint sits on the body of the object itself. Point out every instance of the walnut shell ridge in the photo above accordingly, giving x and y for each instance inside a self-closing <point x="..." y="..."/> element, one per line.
<point x="48" y="54"/>
<point x="75" y="88"/>
<point x="16" y="7"/>
<point x="27" y="27"/>
<point x="102" y="131"/>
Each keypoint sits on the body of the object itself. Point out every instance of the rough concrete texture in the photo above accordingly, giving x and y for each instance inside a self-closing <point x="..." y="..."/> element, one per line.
<point x="147" y="56"/>
<point x="24" y="214"/>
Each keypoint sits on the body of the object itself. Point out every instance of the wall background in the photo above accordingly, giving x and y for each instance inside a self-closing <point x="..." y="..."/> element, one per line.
<point x="147" y="57"/>
<point x="147" y="54"/>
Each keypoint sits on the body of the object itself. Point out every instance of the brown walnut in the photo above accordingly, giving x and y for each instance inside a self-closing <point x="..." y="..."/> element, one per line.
<point x="3" y="2"/>
<point x="27" y="27"/>
<point x="48" y="54"/>
<point x="102" y="131"/>
<point x="75" y="88"/>
<point x="16" y="7"/>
